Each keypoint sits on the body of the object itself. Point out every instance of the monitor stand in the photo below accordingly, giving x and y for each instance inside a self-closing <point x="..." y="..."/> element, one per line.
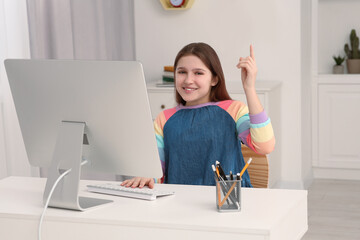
<point x="68" y="155"/>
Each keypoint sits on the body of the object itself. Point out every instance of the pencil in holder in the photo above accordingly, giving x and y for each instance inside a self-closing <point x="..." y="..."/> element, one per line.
<point x="228" y="195"/>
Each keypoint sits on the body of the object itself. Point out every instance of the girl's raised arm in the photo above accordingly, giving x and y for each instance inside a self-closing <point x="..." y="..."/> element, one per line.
<point x="248" y="78"/>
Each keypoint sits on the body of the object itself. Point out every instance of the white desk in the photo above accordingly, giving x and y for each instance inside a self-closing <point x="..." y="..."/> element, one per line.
<point x="189" y="214"/>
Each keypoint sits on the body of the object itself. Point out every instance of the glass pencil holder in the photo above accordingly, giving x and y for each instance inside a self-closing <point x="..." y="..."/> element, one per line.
<point x="228" y="195"/>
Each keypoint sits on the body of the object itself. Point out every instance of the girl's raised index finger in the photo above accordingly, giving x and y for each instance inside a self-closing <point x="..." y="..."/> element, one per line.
<point x="252" y="55"/>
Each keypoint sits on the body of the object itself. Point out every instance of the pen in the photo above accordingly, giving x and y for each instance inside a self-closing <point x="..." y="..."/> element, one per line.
<point x="232" y="179"/>
<point x="218" y="184"/>
<point x="220" y="180"/>
<point x="237" y="193"/>
<point x="224" y="179"/>
<point x="245" y="167"/>
<point x="221" y="171"/>
<point x="216" y="173"/>
<point x="226" y="184"/>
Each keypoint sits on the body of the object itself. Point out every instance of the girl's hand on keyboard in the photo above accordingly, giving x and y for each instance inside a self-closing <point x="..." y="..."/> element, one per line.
<point x="139" y="182"/>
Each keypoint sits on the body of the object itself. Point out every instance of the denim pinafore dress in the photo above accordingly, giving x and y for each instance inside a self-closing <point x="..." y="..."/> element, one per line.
<point x="196" y="137"/>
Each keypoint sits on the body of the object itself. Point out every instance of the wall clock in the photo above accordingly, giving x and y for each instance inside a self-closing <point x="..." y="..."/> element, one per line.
<point x="176" y="4"/>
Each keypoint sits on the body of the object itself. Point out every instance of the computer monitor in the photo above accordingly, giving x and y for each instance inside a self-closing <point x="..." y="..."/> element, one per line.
<point x="71" y="110"/>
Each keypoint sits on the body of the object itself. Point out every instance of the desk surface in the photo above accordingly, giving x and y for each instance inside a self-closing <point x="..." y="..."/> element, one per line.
<point x="191" y="212"/>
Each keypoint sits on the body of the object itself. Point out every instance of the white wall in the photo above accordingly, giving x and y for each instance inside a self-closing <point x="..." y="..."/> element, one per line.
<point x="336" y="19"/>
<point x="273" y="27"/>
<point x="306" y="85"/>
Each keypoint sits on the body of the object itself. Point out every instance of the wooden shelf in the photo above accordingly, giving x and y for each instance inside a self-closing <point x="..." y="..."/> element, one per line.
<point x="167" y="6"/>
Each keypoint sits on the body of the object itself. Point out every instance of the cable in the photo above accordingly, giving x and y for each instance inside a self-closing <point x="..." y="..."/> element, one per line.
<point x="48" y="199"/>
<point x="50" y="194"/>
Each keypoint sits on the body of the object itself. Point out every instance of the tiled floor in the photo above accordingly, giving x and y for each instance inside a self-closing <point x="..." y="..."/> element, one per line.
<point x="333" y="210"/>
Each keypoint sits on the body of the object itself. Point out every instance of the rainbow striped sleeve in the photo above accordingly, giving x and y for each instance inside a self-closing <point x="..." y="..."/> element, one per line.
<point x="255" y="131"/>
<point x="159" y="124"/>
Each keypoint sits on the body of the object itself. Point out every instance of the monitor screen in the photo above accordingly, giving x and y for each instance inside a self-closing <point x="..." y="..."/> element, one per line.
<point x="108" y="97"/>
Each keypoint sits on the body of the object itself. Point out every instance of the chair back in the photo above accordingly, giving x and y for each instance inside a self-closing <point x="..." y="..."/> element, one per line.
<point x="258" y="169"/>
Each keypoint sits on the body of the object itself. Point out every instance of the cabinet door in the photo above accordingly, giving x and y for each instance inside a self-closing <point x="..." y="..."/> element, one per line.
<point x="339" y="128"/>
<point x="160" y="101"/>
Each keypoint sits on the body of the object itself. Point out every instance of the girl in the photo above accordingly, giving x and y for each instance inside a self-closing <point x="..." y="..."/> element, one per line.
<point x="208" y="125"/>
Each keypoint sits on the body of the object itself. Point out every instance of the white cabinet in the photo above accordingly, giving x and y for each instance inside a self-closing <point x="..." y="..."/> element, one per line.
<point x="269" y="95"/>
<point x="161" y="99"/>
<point x="338" y="125"/>
<point x="336" y="128"/>
<point x="335" y="98"/>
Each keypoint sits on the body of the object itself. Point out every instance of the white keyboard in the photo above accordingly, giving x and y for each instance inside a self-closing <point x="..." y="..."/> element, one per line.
<point x="115" y="189"/>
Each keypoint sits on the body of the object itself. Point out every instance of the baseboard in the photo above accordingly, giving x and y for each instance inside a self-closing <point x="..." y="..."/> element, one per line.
<point x="336" y="173"/>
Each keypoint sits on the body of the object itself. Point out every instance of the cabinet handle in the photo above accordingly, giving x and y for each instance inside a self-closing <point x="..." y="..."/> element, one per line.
<point x="162" y="106"/>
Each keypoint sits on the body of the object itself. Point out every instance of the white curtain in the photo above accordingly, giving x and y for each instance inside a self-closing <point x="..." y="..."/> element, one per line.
<point x="14" y="43"/>
<point x="82" y="29"/>
<point x="79" y="29"/>
<point x="54" y="29"/>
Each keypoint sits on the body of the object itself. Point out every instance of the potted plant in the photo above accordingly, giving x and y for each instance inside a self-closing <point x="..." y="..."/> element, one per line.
<point x="353" y="54"/>
<point x="338" y="67"/>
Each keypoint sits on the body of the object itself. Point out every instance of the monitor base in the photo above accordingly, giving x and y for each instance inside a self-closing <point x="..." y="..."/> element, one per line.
<point x="68" y="157"/>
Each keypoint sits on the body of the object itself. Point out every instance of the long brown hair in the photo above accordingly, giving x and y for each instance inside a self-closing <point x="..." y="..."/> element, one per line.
<point x="211" y="60"/>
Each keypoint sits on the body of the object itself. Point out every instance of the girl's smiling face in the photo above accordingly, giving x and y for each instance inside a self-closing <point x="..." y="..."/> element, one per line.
<point x="193" y="80"/>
